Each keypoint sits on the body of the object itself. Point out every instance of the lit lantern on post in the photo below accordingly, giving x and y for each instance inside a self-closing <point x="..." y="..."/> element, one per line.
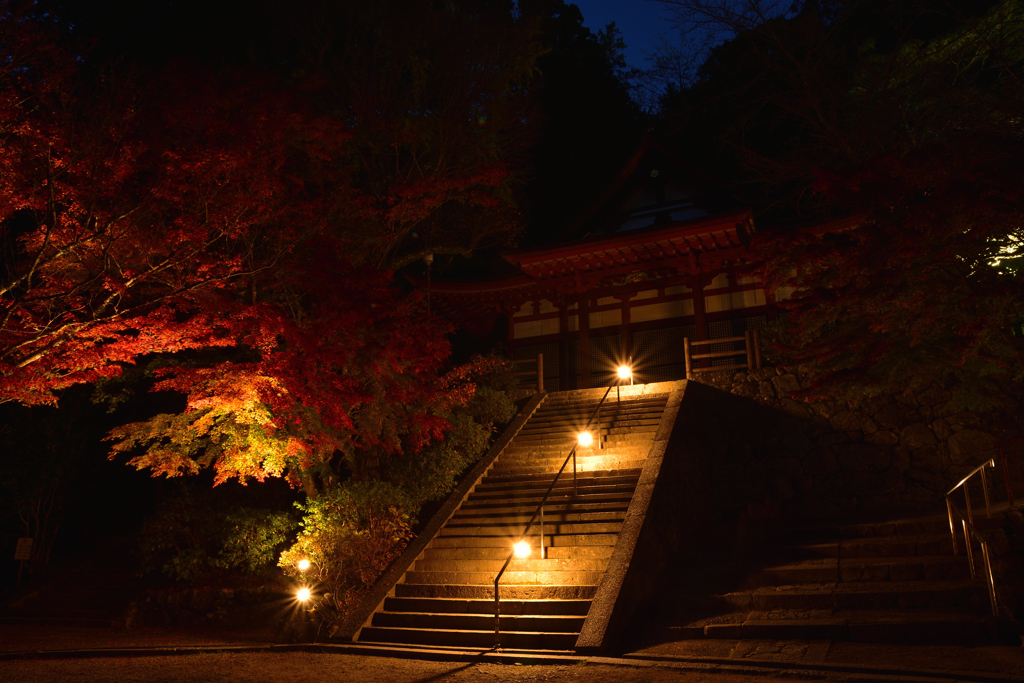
<point x="625" y="372"/>
<point x="303" y="564"/>
<point x="521" y="549"/>
<point x="303" y="595"/>
<point x="585" y="439"/>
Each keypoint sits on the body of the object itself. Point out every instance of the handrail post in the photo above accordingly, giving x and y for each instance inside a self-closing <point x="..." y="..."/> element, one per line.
<point x="540" y="373"/>
<point x="967" y="497"/>
<point x="991" y="580"/>
<point x="984" y="489"/>
<point x="542" y="531"/>
<point x="575" y="490"/>
<point x="970" y="551"/>
<point x="750" y="349"/>
<point x="600" y="443"/>
<point x="497" y="615"/>
<point x="686" y="355"/>
<point x="952" y="527"/>
<point x="757" y="348"/>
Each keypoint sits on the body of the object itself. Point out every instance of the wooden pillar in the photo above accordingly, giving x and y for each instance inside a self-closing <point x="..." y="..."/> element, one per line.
<point x="510" y="328"/>
<point x="699" y="319"/>
<point x="563" y="345"/>
<point x="626" y="335"/>
<point x="583" y="315"/>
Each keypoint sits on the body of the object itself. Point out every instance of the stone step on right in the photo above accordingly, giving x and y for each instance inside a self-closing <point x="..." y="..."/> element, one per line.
<point x="932" y="627"/>
<point x="895" y="580"/>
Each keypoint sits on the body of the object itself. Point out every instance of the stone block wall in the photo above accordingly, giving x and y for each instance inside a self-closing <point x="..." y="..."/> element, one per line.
<point x="897" y="453"/>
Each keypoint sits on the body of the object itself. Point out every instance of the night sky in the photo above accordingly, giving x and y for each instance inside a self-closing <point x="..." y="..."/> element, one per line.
<point x="641" y="22"/>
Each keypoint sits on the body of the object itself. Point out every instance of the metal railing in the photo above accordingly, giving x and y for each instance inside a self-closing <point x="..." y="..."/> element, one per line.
<point x="540" y="511"/>
<point x="969" y="530"/>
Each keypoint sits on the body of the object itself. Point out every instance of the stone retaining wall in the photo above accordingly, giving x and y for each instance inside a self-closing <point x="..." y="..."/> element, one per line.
<point x="891" y="453"/>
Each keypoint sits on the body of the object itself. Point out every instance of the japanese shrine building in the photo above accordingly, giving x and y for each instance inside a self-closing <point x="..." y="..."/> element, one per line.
<point x="653" y="262"/>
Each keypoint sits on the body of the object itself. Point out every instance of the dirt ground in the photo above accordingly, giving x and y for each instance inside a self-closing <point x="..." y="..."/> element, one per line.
<point x="299" y="667"/>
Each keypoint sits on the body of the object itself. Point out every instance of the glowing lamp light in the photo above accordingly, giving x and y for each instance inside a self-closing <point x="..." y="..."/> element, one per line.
<point x="303" y="565"/>
<point x="521" y="549"/>
<point x="303" y="594"/>
<point x="625" y="372"/>
<point x="585" y="439"/>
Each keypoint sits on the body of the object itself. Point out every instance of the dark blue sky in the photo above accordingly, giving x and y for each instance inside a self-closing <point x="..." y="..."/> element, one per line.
<point x="639" y="20"/>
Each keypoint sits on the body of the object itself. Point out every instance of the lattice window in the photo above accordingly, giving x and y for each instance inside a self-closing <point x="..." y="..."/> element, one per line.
<point x="658" y="354"/>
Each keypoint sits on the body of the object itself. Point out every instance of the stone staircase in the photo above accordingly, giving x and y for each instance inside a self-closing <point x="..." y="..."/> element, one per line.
<point x="93" y="594"/>
<point x="890" y="582"/>
<point x="447" y="597"/>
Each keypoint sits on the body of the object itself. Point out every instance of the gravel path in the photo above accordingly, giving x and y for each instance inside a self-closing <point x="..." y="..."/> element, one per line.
<point x="298" y="667"/>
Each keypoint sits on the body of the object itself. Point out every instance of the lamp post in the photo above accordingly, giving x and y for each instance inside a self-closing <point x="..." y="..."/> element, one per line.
<point x="624" y="372"/>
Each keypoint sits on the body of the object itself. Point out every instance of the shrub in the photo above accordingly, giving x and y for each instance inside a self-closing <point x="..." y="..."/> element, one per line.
<point x="350" y="534"/>
<point x="191" y="537"/>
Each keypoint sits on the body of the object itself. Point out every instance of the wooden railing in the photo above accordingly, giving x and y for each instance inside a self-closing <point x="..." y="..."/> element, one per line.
<point x="537" y="373"/>
<point x="751" y="353"/>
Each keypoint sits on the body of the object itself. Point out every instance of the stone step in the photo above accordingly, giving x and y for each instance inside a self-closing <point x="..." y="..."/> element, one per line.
<point x="914" y="568"/>
<point x="562" y="489"/>
<point x="473" y="639"/>
<point x="611" y="432"/>
<point x="925" y="526"/>
<point x="901" y="546"/>
<point x="504" y="541"/>
<point x="516" y="566"/>
<point x="508" y="607"/>
<point x="486" y="592"/>
<point x="553" y="499"/>
<point x="514" y="530"/>
<point x="649" y="421"/>
<point x="545" y="578"/>
<point x="558" y="453"/>
<point x="521" y="519"/>
<point x="932" y="628"/>
<point x="593" y="464"/>
<point x="573" y="552"/>
<point x="479" y="622"/>
<point x="543" y="480"/>
<point x="584" y="409"/>
<point x="872" y="569"/>
<point x="863" y="596"/>
<point x="556" y="509"/>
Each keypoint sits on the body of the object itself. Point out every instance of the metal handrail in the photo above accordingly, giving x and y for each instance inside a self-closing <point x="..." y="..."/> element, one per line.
<point x="968" y="530"/>
<point x="968" y="526"/>
<point x="984" y="489"/>
<point x="540" y="511"/>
